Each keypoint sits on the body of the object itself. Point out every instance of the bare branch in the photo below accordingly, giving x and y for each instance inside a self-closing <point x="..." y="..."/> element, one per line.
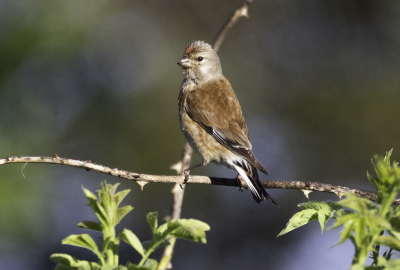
<point x="143" y="179"/>
<point x="240" y="12"/>
<point x="178" y="190"/>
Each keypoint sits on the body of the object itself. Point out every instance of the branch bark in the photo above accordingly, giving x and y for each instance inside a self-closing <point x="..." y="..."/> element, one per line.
<point x="242" y="11"/>
<point x="178" y="190"/>
<point x="143" y="179"/>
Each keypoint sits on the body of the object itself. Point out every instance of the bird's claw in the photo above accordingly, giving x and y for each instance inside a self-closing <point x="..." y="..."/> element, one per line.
<point x="186" y="174"/>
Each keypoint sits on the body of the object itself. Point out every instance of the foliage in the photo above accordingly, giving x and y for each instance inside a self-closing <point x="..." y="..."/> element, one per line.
<point x="366" y="224"/>
<point x="106" y="207"/>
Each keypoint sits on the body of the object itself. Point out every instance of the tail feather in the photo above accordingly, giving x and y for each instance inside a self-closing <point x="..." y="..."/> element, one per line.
<point x="253" y="182"/>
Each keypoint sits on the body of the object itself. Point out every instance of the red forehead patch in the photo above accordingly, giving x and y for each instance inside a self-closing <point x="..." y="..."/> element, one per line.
<point x="189" y="49"/>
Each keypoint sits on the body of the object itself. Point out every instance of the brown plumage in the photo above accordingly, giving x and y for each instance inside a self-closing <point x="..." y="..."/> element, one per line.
<point x="212" y="120"/>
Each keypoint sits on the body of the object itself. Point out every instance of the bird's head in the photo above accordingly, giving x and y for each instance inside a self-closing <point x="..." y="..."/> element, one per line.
<point x="200" y="63"/>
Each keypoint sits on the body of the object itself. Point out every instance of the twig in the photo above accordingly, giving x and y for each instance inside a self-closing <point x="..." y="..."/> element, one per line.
<point x="240" y="12"/>
<point x="178" y="190"/>
<point x="143" y="179"/>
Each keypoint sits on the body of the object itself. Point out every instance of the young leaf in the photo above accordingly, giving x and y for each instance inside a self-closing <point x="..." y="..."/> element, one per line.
<point x="121" y="212"/>
<point x="154" y="244"/>
<point x="69" y="262"/>
<point x="120" y="196"/>
<point x="194" y="223"/>
<point x="151" y="264"/>
<point x="389" y="264"/>
<point x="89" y="225"/>
<point x="340" y="221"/>
<point x="361" y="267"/>
<point x="346" y="232"/>
<point x="357" y="204"/>
<point x="82" y="240"/>
<point x="136" y="267"/>
<point x="189" y="233"/>
<point x="324" y="211"/>
<point x="388" y="241"/>
<point x="152" y="220"/>
<point x="360" y="231"/>
<point x="299" y="219"/>
<point x="131" y="239"/>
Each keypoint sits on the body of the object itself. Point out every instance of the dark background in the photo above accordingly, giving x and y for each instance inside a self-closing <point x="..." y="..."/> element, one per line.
<point x="318" y="82"/>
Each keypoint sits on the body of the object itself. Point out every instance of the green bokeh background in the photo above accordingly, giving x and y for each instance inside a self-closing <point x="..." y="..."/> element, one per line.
<point x="318" y="82"/>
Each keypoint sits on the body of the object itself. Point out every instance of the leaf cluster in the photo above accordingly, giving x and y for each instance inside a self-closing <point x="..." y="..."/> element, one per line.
<point x="106" y="208"/>
<point x="366" y="224"/>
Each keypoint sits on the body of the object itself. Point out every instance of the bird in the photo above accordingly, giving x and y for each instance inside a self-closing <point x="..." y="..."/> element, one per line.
<point x="211" y="118"/>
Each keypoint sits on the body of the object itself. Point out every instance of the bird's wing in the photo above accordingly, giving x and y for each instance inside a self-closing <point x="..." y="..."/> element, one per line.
<point x="216" y="109"/>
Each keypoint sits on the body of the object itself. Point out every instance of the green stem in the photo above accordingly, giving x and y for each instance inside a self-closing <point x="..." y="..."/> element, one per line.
<point x="166" y="258"/>
<point x="146" y="256"/>
<point x="109" y="233"/>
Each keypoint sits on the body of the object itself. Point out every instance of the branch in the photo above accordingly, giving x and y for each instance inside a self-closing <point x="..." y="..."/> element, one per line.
<point x="178" y="190"/>
<point x="143" y="179"/>
<point x="240" y="12"/>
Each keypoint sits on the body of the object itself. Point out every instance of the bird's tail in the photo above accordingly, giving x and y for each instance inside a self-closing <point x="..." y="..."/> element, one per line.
<point x="250" y="176"/>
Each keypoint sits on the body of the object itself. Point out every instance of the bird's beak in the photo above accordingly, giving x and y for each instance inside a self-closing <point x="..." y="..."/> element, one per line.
<point x="184" y="62"/>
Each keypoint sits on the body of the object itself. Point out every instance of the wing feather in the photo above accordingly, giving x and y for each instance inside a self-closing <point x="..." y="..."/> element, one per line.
<point x="216" y="109"/>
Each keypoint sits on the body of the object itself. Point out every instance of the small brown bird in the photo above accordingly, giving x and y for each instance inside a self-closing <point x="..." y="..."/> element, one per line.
<point x="211" y="118"/>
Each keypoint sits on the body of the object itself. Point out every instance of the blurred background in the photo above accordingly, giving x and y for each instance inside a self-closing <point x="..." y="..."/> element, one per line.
<point x="318" y="82"/>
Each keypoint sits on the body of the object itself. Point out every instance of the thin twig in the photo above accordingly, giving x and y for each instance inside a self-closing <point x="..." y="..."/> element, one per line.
<point x="143" y="179"/>
<point x="240" y="12"/>
<point x="178" y="190"/>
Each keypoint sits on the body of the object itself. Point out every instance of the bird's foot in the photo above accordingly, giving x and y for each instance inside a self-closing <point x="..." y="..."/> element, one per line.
<point x="186" y="174"/>
<point x="238" y="177"/>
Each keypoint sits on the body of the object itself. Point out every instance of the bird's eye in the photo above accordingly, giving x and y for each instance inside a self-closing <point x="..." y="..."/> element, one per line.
<point x="200" y="59"/>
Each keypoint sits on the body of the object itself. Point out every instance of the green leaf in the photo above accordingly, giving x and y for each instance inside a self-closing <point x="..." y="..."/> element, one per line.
<point x="68" y="262"/>
<point x="194" y="223"/>
<point x="357" y="204"/>
<point x="166" y="229"/>
<point x="188" y="229"/>
<point x="316" y="205"/>
<point x="323" y="221"/>
<point x="360" y="231"/>
<point x="346" y="232"/>
<point x="389" y="264"/>
<point x="95" y="205"/>
<point x="324" y="211"/>
<point x="388" y="241"/>
<point x="120" y="196"/>
<point x="63" y="267"/>
<point x="89" y="225"/>
<point x="82" y="240"/>
<point x="121" y="212"/>
<point x="149" y="244"/>
<point x="337" y="209"/>
<point x="340" y="221"/>
<point x="299" y="219"/>
<point x="89" y="194"/>
<point x="136" y="267"/>
<point x="152" y="219"/>
<point x="131" y="239"/>
<point x="357" y="267"/>
<point x="113" y="267"/>
<point x="150" y="264"/>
